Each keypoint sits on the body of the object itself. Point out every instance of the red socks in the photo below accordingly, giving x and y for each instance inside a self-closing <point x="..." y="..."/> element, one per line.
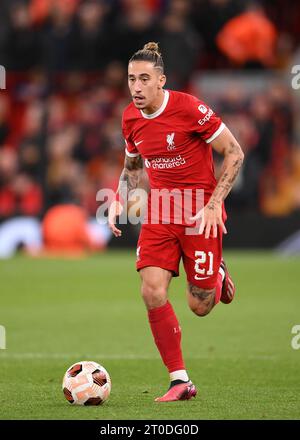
<point x="167" y="332"/>
<point x="167" y="336"/>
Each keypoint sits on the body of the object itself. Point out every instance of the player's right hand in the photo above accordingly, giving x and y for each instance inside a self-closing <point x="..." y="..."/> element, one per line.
<point x="115" y="210"/>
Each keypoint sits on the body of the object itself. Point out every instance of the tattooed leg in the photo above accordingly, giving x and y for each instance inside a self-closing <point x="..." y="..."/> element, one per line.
<point x="200" y="301"/>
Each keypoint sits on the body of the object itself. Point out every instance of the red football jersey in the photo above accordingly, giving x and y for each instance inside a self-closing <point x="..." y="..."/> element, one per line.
<point x="174" y="142"/>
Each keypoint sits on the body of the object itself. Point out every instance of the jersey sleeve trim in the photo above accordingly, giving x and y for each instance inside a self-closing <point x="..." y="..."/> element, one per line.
<point x="131" y="154"/>
<point x="216" y="133"/>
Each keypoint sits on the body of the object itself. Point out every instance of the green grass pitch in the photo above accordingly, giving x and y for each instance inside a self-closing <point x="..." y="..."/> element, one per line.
<point x="57" y="312"/>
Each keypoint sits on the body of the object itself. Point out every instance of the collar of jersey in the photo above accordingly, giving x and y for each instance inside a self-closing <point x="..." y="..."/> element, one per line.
<point x="161" y="108"/>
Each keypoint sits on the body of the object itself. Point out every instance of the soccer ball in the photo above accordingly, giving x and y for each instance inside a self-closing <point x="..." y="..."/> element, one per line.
<point x="86" y="383"/>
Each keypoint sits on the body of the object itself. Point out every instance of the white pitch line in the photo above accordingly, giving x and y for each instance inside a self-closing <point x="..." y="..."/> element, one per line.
<point x="86" y="356"/>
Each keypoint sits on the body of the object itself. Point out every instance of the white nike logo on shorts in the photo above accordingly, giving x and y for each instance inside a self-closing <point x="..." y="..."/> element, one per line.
<point x="138" y="143"/>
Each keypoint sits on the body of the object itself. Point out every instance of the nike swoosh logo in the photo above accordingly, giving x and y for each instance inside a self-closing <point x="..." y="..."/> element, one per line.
<point x="138" y="143"/>
<point x="199" y="278"/>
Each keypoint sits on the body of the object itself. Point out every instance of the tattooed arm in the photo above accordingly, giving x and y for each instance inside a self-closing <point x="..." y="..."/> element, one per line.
<point x="211" y="215"/>
<point x="129" y="179"/>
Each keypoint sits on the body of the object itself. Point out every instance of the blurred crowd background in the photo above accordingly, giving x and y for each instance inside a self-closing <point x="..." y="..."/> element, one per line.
<point x="66" y="88"/>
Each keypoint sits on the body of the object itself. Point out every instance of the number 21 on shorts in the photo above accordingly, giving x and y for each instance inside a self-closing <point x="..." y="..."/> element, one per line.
<point x="202" y="258"/>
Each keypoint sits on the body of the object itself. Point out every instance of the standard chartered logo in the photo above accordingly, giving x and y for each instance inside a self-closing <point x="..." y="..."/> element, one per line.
<point x="161" y="163"/>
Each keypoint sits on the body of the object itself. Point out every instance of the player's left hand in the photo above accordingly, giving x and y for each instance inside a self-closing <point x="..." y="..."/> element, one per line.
<point x="211" y="219"/>
<point x="115" y="210"/>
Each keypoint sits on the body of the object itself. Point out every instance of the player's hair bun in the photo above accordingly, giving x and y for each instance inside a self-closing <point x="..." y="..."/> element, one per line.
<point x="151" y="53"/>
<point x="151" y="46"/>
